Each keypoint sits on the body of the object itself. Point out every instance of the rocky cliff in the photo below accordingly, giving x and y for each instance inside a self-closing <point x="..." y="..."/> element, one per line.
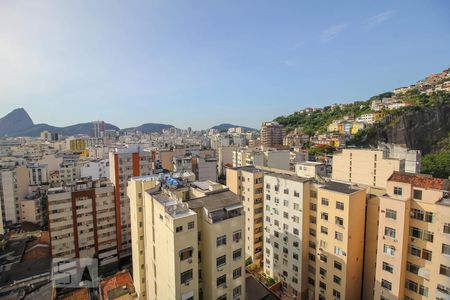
<point x="420" y="129"/>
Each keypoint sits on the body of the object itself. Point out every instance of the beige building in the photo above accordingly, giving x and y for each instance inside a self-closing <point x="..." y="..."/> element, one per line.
<point x="272" y="134"/>
<point x="31" y="209"/>
<point x="125" y="163"/>
<point x="13" y="189"/>
<point x="339" y="241"/>
<point x="247" y="183"/>
<point x="190" y="239"/>
<point x="82" y="221"/>
<point x="286" y="202"/>
<point x="276" y="159"/>
<point x="413" y="248"/>
<point x="365" y="166"/>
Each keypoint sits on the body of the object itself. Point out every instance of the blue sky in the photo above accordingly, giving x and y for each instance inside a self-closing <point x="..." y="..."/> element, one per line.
<point x="201" y="63"/>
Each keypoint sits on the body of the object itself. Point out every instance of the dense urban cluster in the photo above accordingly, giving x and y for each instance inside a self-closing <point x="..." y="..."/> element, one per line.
<point x="224" y="214"/>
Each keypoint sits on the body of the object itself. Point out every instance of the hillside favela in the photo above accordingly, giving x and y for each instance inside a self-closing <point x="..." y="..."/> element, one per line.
<point x="224" y="150"/>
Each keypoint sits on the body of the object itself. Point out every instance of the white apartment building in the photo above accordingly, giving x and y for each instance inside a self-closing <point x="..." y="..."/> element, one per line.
<point x="38" y="174"/>
<point x="95" y="169"/>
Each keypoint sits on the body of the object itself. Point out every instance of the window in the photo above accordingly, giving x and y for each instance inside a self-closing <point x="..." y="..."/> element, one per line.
<point x="444" y="270"/>
<point x="429" y="217"/>
<point x="417" y="214"/>
<point x="386" y="284"/>
<point x="445" y="249"/>
<point x="325" y="201"/>
<point x="179" y="229"/>
<point x="336" y="279"/>
<point x="296" y="206"/>
<point x="223" y="297"/>
<point x="413" y="268"/>
<point x="296" y="194"/>
<point x="237" y="235"/>
<point x="391" y="214"/>
<point x="411" y="285"/>
<point x="313" y="194"/>
<point x="186" y="253"/>
<point x="447" y="228"/>
<point x="191" y="225"/>
<point x="221" y="240"/>
<point x="397" y="190"/>
<point x="338" y="236"/>
<point x="337" y="265"/>
<point x="423" y="290"/>
<point x="313" y="207"/>
<point x="186" y="276"/>
<point x="390" y="250"/>
<point x="388" y="231"/>
<point x="323" y="258"/>
<point x="339" y="205"/>
<point x="221" y="280"/>
<point x="324" y="216"/>
<point x="285" y="203"/>
<point x="296" y="232"/>
<point x="237" y="291"/>
<point x="413" y="250"/>
<point x="323" y="272"/>
<point x="221" y="261"/>
<point x="427" y="254"/>
<point x="417" y="194"/>
<point x="277" y="188"/>
<point x="237" y="254"/>
<point x="237" y="273"/>
<point x="415" y="232"/>
<point x="388" y="267"/>
<point x="322" y="285"/>
<point x="286" y="191"/>
<point x="339" y="221"/>
<point x="285" y="215"/>
<point x="323" y="230"/>
<point x="338" y="251"/>
<point x="336" y="294"/>
<point x="428" y="236"/>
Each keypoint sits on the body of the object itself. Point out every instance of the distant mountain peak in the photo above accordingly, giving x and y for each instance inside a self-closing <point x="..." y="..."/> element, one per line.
<point x="15" y="121"/>
<point x="226" y="126"/>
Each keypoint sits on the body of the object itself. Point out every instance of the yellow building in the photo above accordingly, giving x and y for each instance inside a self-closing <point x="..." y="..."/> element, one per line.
<point x="190" y="239"/>
<point x="247" y="183"/>
<point x="357" y="126"/>
<point x="365" y="166"/>
<point x="413" y="260"/>
<point x="77" y="145"/>
<point x="340" y="241"/>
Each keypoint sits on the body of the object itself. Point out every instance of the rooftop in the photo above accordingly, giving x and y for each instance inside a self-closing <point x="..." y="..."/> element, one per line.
<point x="215" y="201"/>
<point x="251" y="169"/>
<point x="117" y="285"/>
<point x="288" y="177"/>
<point x="340" y="187"/>
<point x="421" y="180"/>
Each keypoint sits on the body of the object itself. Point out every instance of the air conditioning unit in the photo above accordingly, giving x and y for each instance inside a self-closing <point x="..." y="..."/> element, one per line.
<point x="225" y="286"/>
<point x="190" y="260"/>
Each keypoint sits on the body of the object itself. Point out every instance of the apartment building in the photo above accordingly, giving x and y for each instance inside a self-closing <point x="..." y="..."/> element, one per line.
<point x="365" y="166"/>
<point x="247" y="183"/>
<point x="205" y="168"/>
<point x="339" y="241"/>
<point x="277" y="159"/>
<point x="13" y="188"/>
<point x="95" y="169"/>
<point x="286" y="202"/>
<point x="31" y="209"/>
<point x="38" y="174"/>
<point x="192" y="239"/>
<point x="413" y="248"/>
<point x="69" y="172"/>
<point x="272" y="134"/>
<point x="125" y="163"/>
<point x="82" y="221"/>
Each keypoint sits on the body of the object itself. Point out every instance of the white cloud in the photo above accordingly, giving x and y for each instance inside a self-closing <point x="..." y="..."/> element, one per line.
<point x="332" y="32"/>
<point x="376" y="20"/>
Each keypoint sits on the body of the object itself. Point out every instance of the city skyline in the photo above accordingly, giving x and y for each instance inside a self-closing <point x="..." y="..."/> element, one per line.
<point x="161" y="62"/>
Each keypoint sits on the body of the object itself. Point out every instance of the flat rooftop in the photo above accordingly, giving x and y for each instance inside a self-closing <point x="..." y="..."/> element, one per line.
<point x="215" y="201"/>
<point x="251" y="169"/>
<point x="340" y="187"/>
<point x="288" y="177"/>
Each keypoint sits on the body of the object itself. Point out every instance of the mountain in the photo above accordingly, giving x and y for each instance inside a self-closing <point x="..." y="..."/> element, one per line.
<point x="16" y="120"/>
<point x="19" y="123"/>
<point x="226" y="126"/>
<point x="149" y="128"/>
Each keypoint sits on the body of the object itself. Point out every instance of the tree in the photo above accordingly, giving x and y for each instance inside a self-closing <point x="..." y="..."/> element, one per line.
<point x="437" y="164"/>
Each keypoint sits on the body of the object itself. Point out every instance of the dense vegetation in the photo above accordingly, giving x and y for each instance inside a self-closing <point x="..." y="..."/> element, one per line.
<point x="317" y="121"/>
<point x="438" y="164"/>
